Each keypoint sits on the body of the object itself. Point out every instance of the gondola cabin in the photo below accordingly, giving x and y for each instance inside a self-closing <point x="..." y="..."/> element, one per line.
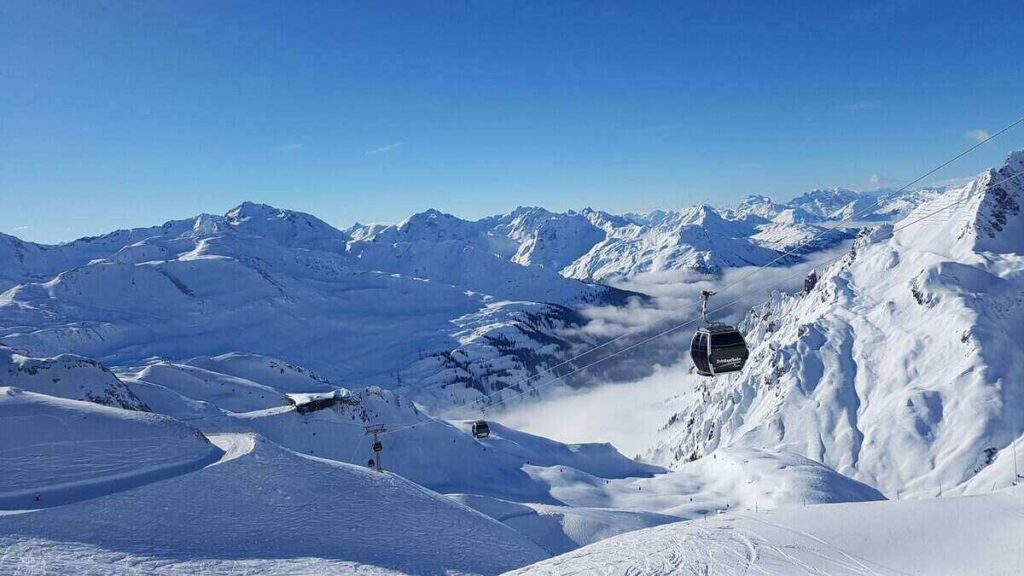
<point x="718" y="348"/>
<point x="481" y="429"/>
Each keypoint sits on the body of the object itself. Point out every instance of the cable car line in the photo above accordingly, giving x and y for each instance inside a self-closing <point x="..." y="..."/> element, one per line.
<point x="662" y="333"/>
<point x="791" y="252"/>
<point x="758" y="269"/>
<point x="675" y="328"/>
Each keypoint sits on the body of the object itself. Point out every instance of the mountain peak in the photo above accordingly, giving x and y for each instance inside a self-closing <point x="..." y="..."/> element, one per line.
<point x="430" y="214"/>
<point x="254" y="210"/>
<point x="699" y="215"/>
<point x="1015" y="161"/>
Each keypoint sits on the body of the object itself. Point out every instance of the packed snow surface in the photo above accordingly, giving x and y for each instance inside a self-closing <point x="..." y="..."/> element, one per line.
<point x="264" y="511"/>
<point x="945" y="536"/>
<point x="54" y="451"/>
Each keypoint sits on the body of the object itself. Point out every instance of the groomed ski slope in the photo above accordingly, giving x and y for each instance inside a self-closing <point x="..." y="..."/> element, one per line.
<point x="264" y="510"/>
<point x="54" y="451"/>
<point x="943" y="536"/>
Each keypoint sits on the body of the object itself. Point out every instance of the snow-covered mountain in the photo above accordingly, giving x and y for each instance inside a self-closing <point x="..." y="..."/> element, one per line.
<point x="598" y="246"/>
<point x="901" y="367"/>
<point x="429" y="302"/>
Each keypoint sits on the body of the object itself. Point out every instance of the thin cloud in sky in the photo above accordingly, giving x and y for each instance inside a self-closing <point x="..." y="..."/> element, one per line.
<point x="879" y="181"/>
<point x="384" y="149"/>
<point x="979" y="135"/>
<point x="290" y="147"/>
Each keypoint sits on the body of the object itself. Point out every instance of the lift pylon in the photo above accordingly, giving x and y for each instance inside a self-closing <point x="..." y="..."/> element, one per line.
<point x="376" y="430"/>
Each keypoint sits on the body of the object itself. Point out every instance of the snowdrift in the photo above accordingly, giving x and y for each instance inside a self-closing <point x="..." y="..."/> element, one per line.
<point x="730" y="479"/>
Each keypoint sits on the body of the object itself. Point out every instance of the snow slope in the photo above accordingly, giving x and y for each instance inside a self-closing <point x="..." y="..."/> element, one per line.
<point x="441" y="455"/>
<point x="223" y="391"/>
<point x="66" y="376"/>
<point x="559" y="529"/>
<point x="268" y="511"/>
<point x="979" y="535"/>
<point x="206" y="387"/>
<point x="561" y="496"/>
<point x="730" y="479"/>
<point x="54" y="451"/>
<point x="594" y="508"/>
<point x="907" y="350"/>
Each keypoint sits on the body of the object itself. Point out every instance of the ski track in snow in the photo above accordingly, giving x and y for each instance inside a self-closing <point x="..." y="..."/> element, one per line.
<point x="947" y="536"/>
<point x="234" y="445"/>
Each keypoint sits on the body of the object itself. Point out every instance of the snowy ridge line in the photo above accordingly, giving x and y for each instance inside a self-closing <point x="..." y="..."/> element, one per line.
<point x="690" y="322"/>
<point x="851" y="218"/>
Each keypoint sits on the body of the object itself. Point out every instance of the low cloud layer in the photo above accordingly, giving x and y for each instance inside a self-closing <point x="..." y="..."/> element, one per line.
<point x="676" y="295"/>
<point x="628" y="413"/>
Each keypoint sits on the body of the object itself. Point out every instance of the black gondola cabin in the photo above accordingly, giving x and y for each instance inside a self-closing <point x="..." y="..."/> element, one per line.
<point x="481" y="429"/>
<point x="718" y="348"/>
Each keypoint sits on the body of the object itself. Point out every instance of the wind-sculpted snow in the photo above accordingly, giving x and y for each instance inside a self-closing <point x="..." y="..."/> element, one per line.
<point x="54" y="451"/>
<point x="906" y="351"/>
<point x="269" y="511"/>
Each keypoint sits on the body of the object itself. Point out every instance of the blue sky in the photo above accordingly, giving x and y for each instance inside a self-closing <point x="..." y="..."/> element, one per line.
<point x="116" y="114"/>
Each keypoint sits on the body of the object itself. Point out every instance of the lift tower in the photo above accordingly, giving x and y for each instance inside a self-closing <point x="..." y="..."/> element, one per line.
<point x="376" y="430"/>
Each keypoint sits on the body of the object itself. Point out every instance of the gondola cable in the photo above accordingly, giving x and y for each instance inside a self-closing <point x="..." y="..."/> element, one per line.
<point x="678" y="327"/>
<point x="758" y="269"/>
<point x="791" y="252"/>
